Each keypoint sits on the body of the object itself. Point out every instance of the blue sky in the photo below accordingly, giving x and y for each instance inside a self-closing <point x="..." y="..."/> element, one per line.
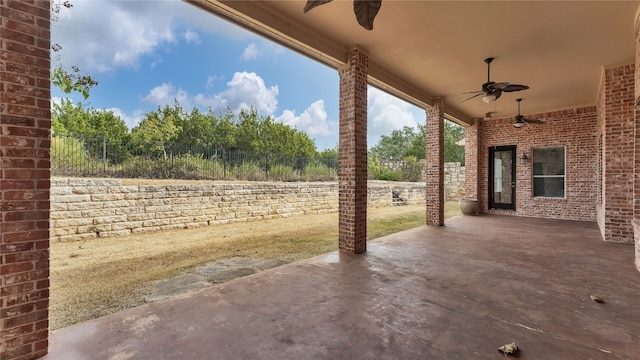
<point x="147" y="53"/>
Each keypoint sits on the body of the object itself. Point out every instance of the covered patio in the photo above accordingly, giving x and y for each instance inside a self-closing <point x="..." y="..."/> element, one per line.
<point x="517" y="273"/>
<point x="454" y="292"/>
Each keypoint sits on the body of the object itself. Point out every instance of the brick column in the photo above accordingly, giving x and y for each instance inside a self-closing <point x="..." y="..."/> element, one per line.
<point x="25" y="123"/>
<point x="618" y="114"/>
<point x="471" y="160"/>
<point x="352" y="169"/>
<point x="636" y="160"/>
<point x="434" y="169"/>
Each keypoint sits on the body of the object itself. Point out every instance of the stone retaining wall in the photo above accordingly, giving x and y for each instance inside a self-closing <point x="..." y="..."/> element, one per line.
<point x="90" y="208"/>
<point x="453" y="181"/>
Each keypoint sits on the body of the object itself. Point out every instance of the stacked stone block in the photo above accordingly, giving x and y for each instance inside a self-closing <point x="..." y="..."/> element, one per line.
<point x="91" y="208"/>
<point x="454" y="181"/>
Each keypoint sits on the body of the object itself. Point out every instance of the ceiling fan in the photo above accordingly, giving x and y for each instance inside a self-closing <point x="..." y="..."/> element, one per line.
<point x="492" y="90"/>
<point x="520" y="120"/>
<point x="365" y="10"/>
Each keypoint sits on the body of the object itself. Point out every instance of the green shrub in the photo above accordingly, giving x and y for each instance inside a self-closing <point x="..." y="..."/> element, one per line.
<point x="248" y="171"/>
<point x="282" y="173"/>
<point x="319" y="172"/>
<point x="70" y="157"/>
<point x="412" y="170"/>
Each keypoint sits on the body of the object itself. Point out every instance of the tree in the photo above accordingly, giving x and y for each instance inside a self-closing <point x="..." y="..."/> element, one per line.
<point x="95" y="126"/>
<point x="257" y="134"/>
<point x="393" y="146"/>
<point x="452" y="134"/>
<point x="411" y="142"/>
<point x="64" y="79"/>
<point x="158" y="129"/>
<point x="331" y="153"/>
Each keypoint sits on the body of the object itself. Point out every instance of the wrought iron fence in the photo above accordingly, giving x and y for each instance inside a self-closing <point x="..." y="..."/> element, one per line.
<point x="99" y="157"/>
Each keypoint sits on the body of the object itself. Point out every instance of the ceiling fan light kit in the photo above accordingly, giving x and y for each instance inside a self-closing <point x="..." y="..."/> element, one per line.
<point x="492" y="90"/>
<point x="489" y="98"/>
<point x="520" y="120"/>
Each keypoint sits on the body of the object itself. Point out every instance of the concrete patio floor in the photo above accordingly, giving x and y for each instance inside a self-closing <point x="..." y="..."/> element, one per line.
<point x="453" y="292"/>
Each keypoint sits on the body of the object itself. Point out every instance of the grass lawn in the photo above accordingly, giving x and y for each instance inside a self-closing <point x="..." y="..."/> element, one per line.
<point x="96" y="277"/>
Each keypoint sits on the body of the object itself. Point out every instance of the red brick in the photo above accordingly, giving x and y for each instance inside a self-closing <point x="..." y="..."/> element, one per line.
<point x="17" y="310"/>
<point x="26" y="215"/>
<point x="25" y="256"/>
<point x="25" y="236"/>
<point x="15" y="289"/>
<point x="25" y="318"/>
<point x="16" y="268"/>
<point x="17" y="36"/>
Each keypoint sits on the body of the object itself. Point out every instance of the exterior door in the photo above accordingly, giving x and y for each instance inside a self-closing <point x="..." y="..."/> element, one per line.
<point x="502" y="177"/>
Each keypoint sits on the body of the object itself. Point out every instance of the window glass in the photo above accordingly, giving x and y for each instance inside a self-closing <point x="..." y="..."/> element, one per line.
<point x="549" y="172"/>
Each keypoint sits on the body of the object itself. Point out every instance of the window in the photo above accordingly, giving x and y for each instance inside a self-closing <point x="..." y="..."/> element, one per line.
<point x="548" y="172"/>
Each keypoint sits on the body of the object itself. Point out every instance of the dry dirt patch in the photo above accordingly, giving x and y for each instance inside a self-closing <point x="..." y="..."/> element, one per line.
<point x="96" y="277"/>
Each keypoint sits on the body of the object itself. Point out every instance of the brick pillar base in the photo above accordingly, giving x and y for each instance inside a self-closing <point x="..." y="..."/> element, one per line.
<point x="25" y="123"/>
<point x="352" y="170"/>
<point x="434" y="169"/>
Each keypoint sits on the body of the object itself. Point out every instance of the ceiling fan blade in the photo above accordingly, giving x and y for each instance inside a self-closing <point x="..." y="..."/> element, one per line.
<point x="514" y="87"/>
<point x="533" y="121"/>
<point x="314" y="3"/>
<point x="366" y="11"/>
<point x="473" y="92"/>
<point x="476" y="95"/>
<point x="497" y="86"/>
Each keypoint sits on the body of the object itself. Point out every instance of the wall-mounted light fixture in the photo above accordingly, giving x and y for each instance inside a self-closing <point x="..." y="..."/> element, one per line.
<point x="523" y="158"/>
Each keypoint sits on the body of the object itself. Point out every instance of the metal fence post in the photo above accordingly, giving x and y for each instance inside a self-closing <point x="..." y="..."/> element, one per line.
<point x="104" y="154"/>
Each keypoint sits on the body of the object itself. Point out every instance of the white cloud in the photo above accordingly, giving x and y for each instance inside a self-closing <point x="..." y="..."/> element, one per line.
<point x="131" y="120"/>
<point x="211" y="81"/>
<point x="166" y="94"/>
<point x="104" y="35"/>
<point x="246" y="89"/>
<point x="387" y="113"/>
<point x="312" y="121"/>
<point x="192" y="36"/>
<point x="250" y="52"/>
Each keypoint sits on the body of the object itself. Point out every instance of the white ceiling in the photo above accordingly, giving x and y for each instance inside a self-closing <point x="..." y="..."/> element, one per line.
<point x="419" y="50"/>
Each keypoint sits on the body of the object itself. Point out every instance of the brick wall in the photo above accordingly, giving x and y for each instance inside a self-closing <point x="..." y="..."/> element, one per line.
<point x="616" y="139"/>
<point x="24" y="178"/>
<point x="90" y="208"/>
<point x="576" y="130"/>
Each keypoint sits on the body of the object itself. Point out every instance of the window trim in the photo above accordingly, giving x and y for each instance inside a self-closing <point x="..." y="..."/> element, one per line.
<point x="533" y="176"/>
